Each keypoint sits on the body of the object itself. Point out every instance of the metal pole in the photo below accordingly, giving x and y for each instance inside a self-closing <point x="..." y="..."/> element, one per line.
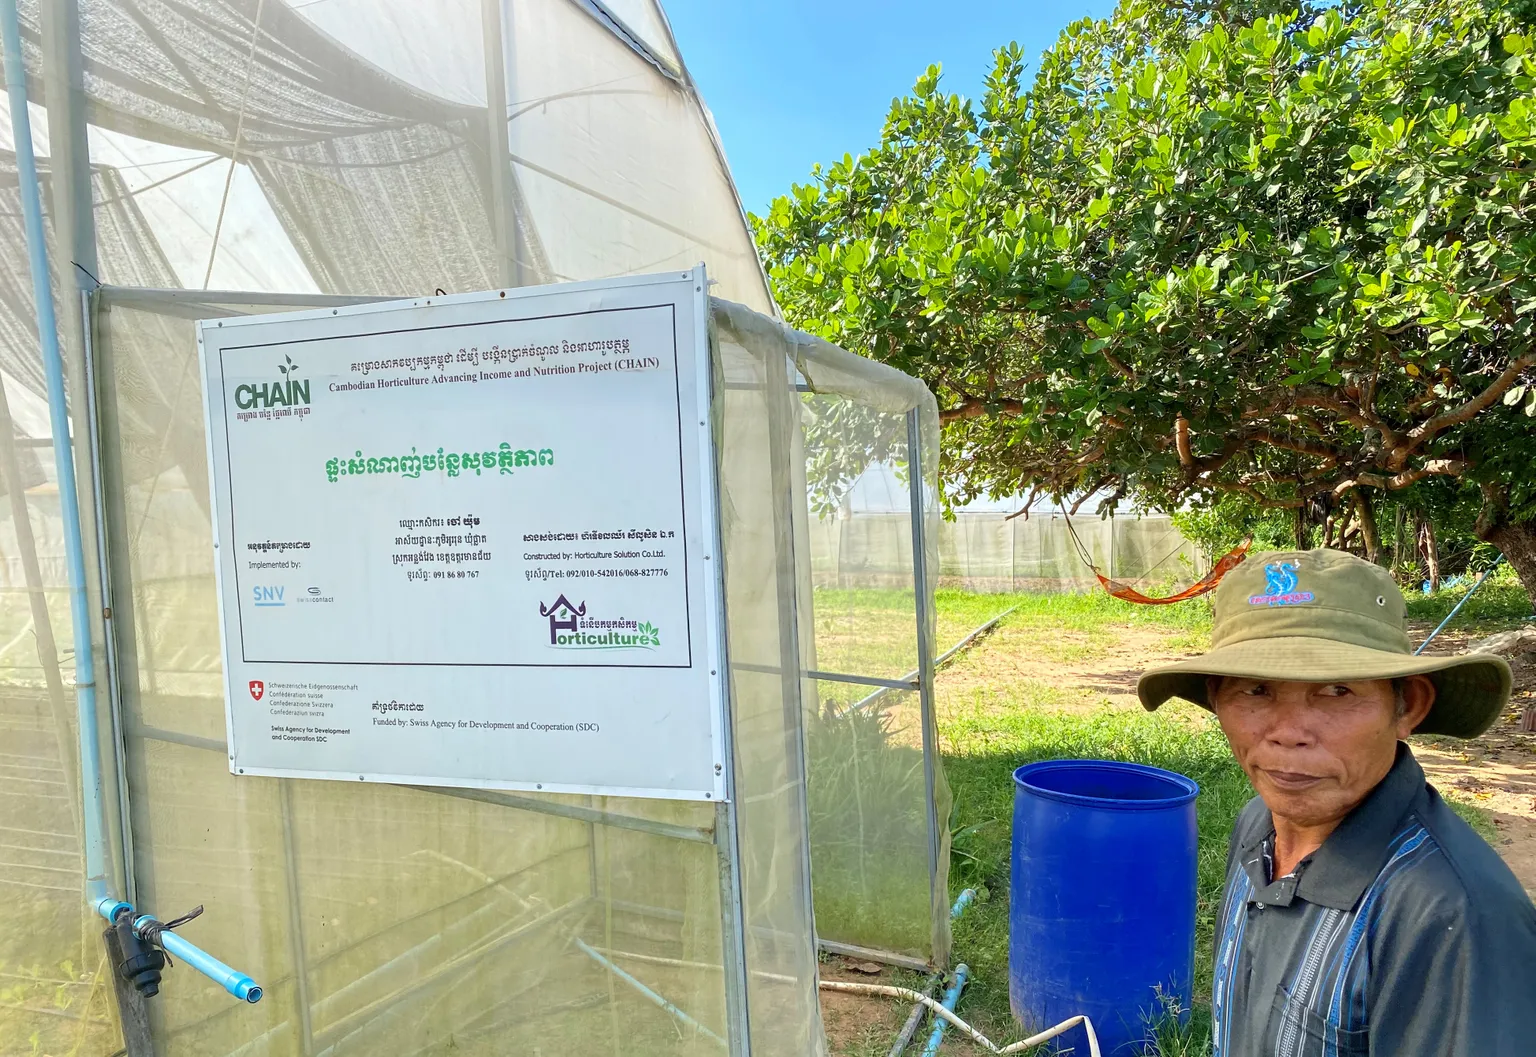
<point x="74" y="220"/>
<point x="108" y="613"/>
<point x="781" y="403"/>
<point x="922" y="592"/>
<point x="296" y="944"/>
<point x="909" y="1029"/>
<point x="1464" y="599"/>
<point x="95" y="832"/>
<point x="677" y="1014"/>
<point x="498" y="153"/>
<point x="733" y="925"/>
<point x="733" y="915"/>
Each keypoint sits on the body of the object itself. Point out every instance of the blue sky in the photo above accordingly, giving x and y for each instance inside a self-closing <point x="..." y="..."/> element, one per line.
<point x="795" y="82"/>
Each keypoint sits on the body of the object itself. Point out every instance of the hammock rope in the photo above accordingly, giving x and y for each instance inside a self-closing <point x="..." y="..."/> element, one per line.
<point x="1126" y="593"/>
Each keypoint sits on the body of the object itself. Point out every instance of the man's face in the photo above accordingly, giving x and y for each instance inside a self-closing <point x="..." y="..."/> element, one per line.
<point x="1315" y="750"/>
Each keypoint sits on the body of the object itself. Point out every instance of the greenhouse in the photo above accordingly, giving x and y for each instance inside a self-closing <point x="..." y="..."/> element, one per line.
<point x="207" y="159"/>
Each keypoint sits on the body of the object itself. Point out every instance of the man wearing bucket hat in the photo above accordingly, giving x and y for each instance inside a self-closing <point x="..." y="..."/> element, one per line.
<point x="1361" y="915"/>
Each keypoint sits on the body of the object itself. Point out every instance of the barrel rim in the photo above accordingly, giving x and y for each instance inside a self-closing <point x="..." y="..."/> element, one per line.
<point x="1190" y="788"/>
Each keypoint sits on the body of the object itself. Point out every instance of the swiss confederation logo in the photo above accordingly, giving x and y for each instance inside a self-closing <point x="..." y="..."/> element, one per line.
<point x="570" y="627"/>
<point x="1280" y="587"/>
<point x="257" y="688"/>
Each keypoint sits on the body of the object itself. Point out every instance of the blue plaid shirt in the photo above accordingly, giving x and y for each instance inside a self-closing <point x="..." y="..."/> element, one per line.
<point x="1403" y="935"/>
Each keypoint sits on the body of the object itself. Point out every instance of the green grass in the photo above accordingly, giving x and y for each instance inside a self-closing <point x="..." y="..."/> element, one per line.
<point x="1473" y="815"/>
<point x="1090" y="612"/>
<point x="1500" y="599"/>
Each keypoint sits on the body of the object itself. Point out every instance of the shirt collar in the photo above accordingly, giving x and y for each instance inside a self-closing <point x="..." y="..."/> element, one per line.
<point x="1339" y="872"/>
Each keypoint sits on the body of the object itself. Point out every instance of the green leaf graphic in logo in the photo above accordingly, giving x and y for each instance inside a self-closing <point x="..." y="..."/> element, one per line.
<point x="290" y="368"/>
<point x="649" y="631"/>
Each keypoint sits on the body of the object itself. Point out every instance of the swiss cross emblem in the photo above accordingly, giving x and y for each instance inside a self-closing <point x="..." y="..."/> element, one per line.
<point x="257" y="689"/>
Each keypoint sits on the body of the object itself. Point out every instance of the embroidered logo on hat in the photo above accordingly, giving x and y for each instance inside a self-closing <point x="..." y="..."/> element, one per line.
<point x="1280" y="585"/>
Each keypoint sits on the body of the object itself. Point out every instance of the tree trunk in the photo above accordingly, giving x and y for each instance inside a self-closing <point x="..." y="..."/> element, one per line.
<point x="1300" y="525"/>
<point x="1370" y="533"/>
<point x="1399" y="527"/>
<point x="1431" y="551"/>
<point x="1516" y="540"/>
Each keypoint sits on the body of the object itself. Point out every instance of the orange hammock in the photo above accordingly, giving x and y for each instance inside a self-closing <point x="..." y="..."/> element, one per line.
<point x="1126" y="593"/>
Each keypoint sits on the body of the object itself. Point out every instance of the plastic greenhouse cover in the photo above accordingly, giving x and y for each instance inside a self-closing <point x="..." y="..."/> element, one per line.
<point x="349" y="150"/>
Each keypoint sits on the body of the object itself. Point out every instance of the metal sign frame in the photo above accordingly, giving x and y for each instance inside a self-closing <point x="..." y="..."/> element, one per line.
<point x="709" y="783"/>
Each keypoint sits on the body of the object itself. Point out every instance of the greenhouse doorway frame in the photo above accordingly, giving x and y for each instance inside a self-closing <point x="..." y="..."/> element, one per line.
<point x="722" y="836"/>
<point x="919" y="680"/>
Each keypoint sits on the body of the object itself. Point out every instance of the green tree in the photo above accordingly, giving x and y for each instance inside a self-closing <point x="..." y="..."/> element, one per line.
<point x="1211" y="251"/>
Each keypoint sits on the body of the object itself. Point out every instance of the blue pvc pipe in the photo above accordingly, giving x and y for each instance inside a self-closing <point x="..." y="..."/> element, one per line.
<point x="950" y="1000"/>
<point x="235" y="982"/>
<point x="232" y="980"/>
<point x="1452" y="614"/>
<point x="92" y="808"/>
<point x="965" y="899"/>
<point x="64" y="459"/>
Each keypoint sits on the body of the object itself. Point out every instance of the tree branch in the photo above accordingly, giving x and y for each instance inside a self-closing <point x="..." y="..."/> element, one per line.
<point x="1257" y="496"/>
<point x="1423" y="432"/>
<point x="976" y="407"/>
<point x="1390" y="437"/>
<point x="1118" y="365"/>
<point x="1305" y="447"/>
<point x="1431" y="468"/>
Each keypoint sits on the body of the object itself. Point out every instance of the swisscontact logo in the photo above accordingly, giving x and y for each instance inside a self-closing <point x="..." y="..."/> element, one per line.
<point x="572" y="628"/>
<point x="282" y="391"/>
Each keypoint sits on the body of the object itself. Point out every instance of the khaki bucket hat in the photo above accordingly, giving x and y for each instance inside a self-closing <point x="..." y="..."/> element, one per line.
<point x="1328" y="617"/>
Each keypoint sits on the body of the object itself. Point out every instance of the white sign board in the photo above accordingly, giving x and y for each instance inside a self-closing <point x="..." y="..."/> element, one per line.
<point x="470" y="541"/>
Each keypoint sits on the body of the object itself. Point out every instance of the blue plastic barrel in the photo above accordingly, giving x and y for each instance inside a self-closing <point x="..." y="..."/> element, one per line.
<point x="1102" y="901"/>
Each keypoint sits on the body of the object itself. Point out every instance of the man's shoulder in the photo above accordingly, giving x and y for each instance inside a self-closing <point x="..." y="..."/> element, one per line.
<point x="1444" y="869"/>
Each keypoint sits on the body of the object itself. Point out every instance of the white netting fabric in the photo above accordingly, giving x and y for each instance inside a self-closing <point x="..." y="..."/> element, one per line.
<point x="337" y="150"/>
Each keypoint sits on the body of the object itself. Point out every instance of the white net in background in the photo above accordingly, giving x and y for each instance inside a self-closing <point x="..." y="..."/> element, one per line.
<point x="864" y="544"/>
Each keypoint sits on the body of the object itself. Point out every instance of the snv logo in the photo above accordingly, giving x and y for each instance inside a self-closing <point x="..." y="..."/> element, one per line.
<point x="267" y="596"/>
<point x="286" y="391"/>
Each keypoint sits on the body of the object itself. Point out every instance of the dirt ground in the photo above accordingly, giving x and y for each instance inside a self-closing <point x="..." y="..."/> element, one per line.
<point x="859" y="1025"/>
<point x="1497" y="771"/>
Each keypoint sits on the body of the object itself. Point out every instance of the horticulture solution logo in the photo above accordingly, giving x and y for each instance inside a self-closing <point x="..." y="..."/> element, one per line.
<point x="570" y="627"/>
